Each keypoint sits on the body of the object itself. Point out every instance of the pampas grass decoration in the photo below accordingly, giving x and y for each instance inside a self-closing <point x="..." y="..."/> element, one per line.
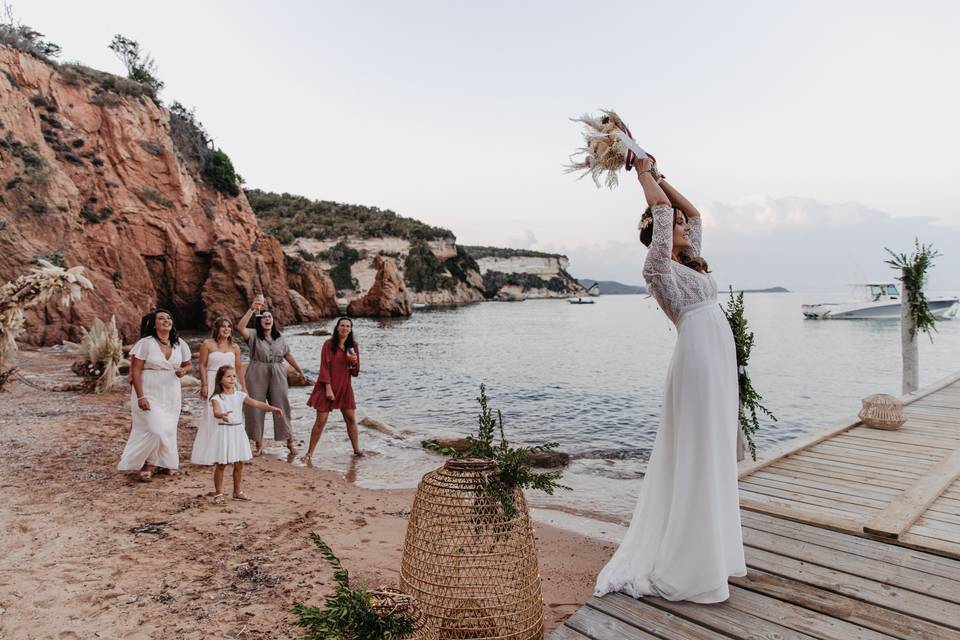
<point x="604" y="154"/>
<point x="103" y="349"/>
<point x="40" y="285"/>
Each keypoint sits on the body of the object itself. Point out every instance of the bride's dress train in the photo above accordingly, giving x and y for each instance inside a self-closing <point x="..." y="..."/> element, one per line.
<point x="684" y="539"/>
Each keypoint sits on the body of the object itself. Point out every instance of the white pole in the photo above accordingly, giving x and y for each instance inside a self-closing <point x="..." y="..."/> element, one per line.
<point x="908" y="343"/>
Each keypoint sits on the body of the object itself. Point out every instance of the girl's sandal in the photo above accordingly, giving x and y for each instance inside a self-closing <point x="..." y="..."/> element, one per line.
<point x="219" y="498"/>
<point x="241" y="496"/>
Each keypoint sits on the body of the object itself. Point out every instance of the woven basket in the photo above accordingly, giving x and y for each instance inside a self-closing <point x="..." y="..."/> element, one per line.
<point x="472" y="570"/>
<point x="882" y="411"/>
<point x="386" y="601"/>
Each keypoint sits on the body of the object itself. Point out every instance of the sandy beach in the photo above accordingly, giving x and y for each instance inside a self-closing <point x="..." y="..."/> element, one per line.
<point x="88" y="553"/>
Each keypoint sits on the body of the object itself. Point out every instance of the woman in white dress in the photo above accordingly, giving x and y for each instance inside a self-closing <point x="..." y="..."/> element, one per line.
<point x="157" y="362"/>
<point x="684" y="539"/>
<point x="217" y="351"/>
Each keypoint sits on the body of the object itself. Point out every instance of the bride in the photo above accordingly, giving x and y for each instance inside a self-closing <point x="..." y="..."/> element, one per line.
<point x="684" y="539"/>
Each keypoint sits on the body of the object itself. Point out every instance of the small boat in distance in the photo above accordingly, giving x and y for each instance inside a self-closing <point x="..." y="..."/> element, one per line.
<point x="876" y="301"/>
<point x="579" y="301"/>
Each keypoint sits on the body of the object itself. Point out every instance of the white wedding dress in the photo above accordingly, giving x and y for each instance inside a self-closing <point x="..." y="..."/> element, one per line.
<point x="684" y="539"/>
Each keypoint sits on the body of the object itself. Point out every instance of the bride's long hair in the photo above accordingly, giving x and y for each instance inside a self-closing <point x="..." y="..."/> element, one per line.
<point x="697" y="263"/>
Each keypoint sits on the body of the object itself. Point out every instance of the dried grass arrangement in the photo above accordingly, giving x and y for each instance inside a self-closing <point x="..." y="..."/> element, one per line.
<point x="608" y="148"/>
<point x="882" y="411"/>
<point x="472" y="567"/>
<point x="102" y="349"/>
<point x="37" y="287"/>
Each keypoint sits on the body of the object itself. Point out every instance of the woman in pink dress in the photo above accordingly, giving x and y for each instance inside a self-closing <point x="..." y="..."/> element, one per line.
<point x="339" y="362"/>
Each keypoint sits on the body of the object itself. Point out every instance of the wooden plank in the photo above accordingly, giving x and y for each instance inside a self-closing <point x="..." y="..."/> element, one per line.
<point x="566" y="633"/>
<point x="805" y="513"/>
<point x="902" y="600"/>
<point x="900" y="514"/>
<point x="898" y="451"/>
<point x="642" y="615"/>
<point x="841" y="606"/>
<point x="870" y="500"/>
<point x="808" y="498"/>
<point x="842" y="512"/>
<point x="926" y="543"/>
<point x="874" y="550"/>
<point x="819" y="625"/>
<point x="898" y="438"/>
<point x="849" y="487"/>
<point x="891" y="470"/>
<point x="771" y="455"/>
<point x="599" y="626"/>
<point x="904" y="577"/>
<point x="723" y="618"/>
<point x="838" y="473"/>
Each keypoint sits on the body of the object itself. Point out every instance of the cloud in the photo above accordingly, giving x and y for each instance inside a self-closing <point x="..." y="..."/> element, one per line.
<point x="800" y="243"/>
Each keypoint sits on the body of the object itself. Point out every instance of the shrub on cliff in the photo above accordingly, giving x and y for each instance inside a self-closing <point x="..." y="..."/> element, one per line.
<point x="342" y="256"/>
<point x="423" y="271"/>
<point x="287" y="216"/>
<point x="218" y="171"/>
<point x="14" y="33"/>
<point x="141" y="67"/>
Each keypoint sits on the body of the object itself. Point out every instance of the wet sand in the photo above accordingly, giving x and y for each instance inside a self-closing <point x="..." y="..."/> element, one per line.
<point x="71" y="565"/>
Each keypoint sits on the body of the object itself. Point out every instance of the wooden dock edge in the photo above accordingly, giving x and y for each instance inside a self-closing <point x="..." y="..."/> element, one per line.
<point x="807" y="440"/>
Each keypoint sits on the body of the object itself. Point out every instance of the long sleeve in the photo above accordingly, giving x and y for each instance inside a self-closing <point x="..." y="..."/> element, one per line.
<point x="696" y="235"/>
<point x="660" y="253"/>
<point x="324" y="375"/>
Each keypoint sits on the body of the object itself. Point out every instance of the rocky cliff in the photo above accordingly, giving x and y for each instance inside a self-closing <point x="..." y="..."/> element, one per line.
<point x="92" y="174"/>
<point x="517" y="274"/>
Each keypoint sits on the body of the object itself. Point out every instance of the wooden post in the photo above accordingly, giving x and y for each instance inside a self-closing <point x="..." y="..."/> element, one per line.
<point x="908" y="344"/>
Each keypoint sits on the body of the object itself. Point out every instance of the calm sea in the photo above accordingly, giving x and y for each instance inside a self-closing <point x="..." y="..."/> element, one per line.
<point x="591" y="378"/>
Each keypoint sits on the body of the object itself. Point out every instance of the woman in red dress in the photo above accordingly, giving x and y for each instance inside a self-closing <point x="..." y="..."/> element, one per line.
<point x="339" y="361"/>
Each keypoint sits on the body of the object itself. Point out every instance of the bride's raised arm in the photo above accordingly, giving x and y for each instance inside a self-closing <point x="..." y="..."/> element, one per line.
<point x="678" y="200"/>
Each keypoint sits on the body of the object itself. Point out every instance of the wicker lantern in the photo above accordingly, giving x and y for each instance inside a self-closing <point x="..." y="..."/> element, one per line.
<point x="386" y="601"/>
<point x="882" y="411"/>
<point x="472" y="569"/>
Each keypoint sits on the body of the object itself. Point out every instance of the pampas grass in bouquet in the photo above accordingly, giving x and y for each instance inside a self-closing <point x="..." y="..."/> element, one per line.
<point x="608" y="148"/>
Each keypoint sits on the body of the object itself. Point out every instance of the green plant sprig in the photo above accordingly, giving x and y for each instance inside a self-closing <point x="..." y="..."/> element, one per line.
<point x="913" y="276"/>
<point x="751" y="401"/>
<point x="348" y="614"/>
<point x="513" y="468"/>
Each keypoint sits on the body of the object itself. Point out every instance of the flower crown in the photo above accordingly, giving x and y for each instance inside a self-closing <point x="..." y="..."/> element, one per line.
<point x="645" y="222"/>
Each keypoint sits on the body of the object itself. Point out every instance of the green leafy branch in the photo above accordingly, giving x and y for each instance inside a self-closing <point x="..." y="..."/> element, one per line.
<point x="348" y="614"/>
<point x="751" y="401"/>
<point x="513" y="468"/>
<point x="913" y="276"/>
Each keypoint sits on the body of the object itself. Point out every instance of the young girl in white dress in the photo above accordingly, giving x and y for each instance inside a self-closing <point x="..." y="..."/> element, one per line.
<point x="230" y="444"/>
<point x="685" y="540"/>
<point x="217" y="351"/>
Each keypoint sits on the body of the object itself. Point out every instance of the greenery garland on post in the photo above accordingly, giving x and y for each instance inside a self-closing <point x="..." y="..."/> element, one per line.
<point x="913" y="276"/>
<point x="750" y="398"/>
<point x="915" y="314"/>
<point x="512" y="463"/>
<point x="349" y="614"/>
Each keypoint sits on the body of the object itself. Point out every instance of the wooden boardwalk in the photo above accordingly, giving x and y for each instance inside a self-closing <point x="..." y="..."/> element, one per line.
<point x="849" y="533"/>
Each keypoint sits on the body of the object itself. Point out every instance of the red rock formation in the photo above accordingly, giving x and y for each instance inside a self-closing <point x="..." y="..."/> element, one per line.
<point x="388" y="297"/>
<point x="93" y="177"/>
<point x="311" y="291"/>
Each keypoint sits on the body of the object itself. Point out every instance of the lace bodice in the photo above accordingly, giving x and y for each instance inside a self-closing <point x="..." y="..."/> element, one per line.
<point x="673" y="285"/>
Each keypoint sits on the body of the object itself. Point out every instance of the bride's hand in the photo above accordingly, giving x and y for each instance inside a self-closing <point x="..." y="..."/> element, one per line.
<point x="643" y="166"/>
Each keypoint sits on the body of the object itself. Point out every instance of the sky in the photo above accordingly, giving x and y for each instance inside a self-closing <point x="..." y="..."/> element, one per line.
<point x="811" y="135"/>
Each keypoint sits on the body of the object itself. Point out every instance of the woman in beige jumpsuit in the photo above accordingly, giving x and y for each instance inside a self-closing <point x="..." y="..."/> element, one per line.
<point x="266" y="379"/>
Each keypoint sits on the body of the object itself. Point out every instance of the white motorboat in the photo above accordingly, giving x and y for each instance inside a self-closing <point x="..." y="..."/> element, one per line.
<point x="876" y="301"/>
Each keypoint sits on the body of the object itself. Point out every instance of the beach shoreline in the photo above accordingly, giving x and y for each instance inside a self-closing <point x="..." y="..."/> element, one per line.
<point x="74" y="567"/>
